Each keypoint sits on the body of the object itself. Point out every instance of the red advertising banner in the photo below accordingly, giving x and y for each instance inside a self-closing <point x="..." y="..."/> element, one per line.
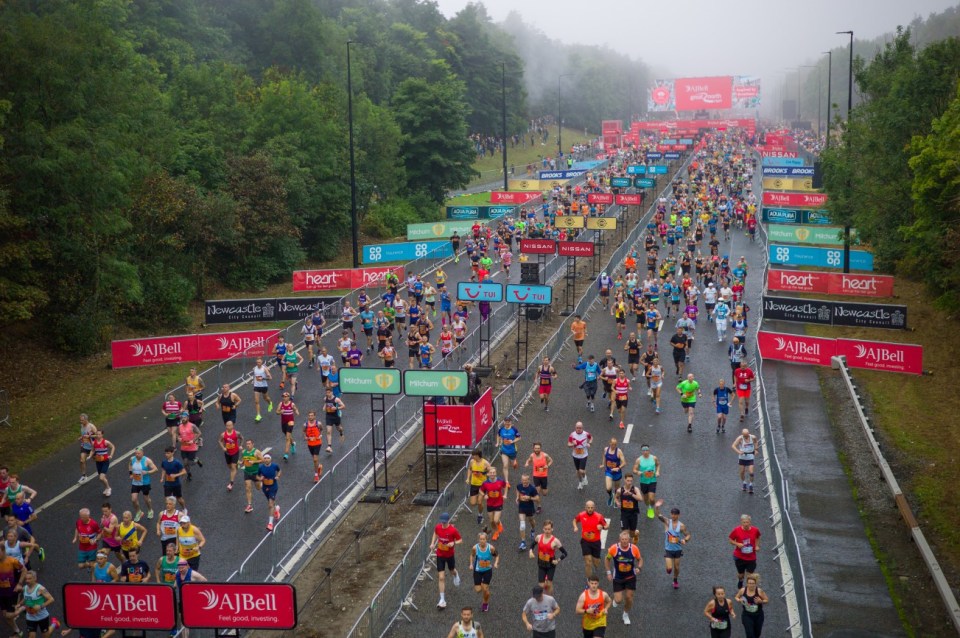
<point x="628" y="199"/>
<point x="695" y="94"/>
<point x="671" y="125"/>
<point x="879" y="355"/>
<point x="256" y="343"/>
<point x="342" y="278"/>
<point x="794" y="199"/>
<point x="153" y="351"/>
<point x="764" y="152"/>
<point x="239" y="605"/>
<point x="599" y="198"/>
<point x="139" y="606"/>
<point x="830" y="283"/>
<point x="796" y="348"/>
<point x="482" y="415"/>
<point x="513" y="197"/>
<point x="538" y="246"/>
<point x="575" y="249"/>
<point x="449" y="427"/>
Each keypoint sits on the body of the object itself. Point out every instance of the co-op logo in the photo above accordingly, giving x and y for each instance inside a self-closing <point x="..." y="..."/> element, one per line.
<point x="237" y="602"/>
<point x="797" y="348"/>
<point x="119" y="603"/>
<point x="879" y="355"/>
<point x="155" y="349"/>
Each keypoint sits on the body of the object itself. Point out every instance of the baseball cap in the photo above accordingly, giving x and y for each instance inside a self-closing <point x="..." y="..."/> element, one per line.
<point x="184" y="519"/>
<point x="445" y="518"/>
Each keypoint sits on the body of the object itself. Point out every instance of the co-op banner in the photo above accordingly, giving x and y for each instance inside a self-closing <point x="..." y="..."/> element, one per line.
<point x="151" y="351"/>
<point x="795" y="216"/>
<point x="830" y="283"/>
<point x="867" y="355"/>
<point x="405" y="251"/>
<point x="819" y="257"/>
<point x="341" y="278"/>
<point x="271" y="309"/>
<point x="818" y="235"/>
<point x="835" y="313"/>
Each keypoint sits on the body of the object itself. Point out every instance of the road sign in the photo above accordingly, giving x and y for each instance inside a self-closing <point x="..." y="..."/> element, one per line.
<point x="602" y="223"/>
<point x="467" y="291"/>
<point x="620" y="182"/>
<point x="644" y="182"/>
<point x="239" y="605"/>
<point x="435" y="383"/>
<point x="657" y="170"/>
<point x="569" y="222"/>
<point x="369" y="381"/>
<point x="533" y="294"/>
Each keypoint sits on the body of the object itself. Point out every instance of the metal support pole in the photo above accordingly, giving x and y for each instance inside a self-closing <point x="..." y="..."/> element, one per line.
<point x="354" y="223"/>
<point x="503" y="115"/>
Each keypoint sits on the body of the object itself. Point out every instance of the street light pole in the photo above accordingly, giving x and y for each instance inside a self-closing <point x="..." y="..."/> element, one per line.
<point x="354" y="226"/>
<point x="829" y="88"/>
<point x="846" y="228"/>
<point x="503" y="115"/>
<point x="560" y="117"/>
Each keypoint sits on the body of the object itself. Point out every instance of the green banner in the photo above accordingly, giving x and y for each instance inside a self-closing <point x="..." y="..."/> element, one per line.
<point x="437" y="230"/>
<point x="370" y="381"/>
<point x="434" y="383"/>
<point x="644" y="182"/>
<point x="815" y="235"/>
<point x="620" y="182"/>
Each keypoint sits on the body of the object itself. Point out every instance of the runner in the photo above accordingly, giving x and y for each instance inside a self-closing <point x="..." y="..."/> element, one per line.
<point x="291" y="368"/>
<point x="309" y="332"/>
<point x="743" y="377"/>
<point x="737" y="354"/>
<point x="540" y="613"/>
<point x="132" y="534"/>
<point x="190" y="542"/>
<point x="580" y="440"/>
<point x="324" y="363"/>
<point x="623" y="563"/>
<point x="288" y="412"/>
<point x="647" y="467"/>
<point x="228" y="402"/>
<point x="194" y="384"/>
<point x="445" y="539"/>
<point x="189" y="437"/>
<point x="251" y="458"/>
<point x="389" y="354"/>
<point x="507" y="437"/>
<point x="547" y="374"/>
<point x="140" y="468"/>
<point x="425" y="352"/>
<point x="445" y="341"/>
<point x="169" y="523"/>
<point x="269" y="477"/>
<point x="171" y="416"/>
<point x="86" y="533"/>
<point x="194" y="407"/>
<point x="165" y="571"/>
<point x="632" y="348"/>
<point x="541" y="462"/>
<point x="333" y="408"/>
<point x="103" y="451"/>
<point x="628" y="499"/>
<point x="12" y="577"/>
<point x="745" y="539"/>
<point x="87" y="431"/>
<point x="591" y="372"/>
<point x="109" y="531"/>
<point x="171" y="470"/>
<point x="280" y="352"/>
<point x="654" y="374"/>
<point x="593" y="604"/>
<point x="689" y="391"/>
<point x="347" y="316"/>
<point x="679" y="343"/>
<point x="494" y="491"/>
<point x="721" y="396"/>
<point x="579" y="329"/>
<point x="104" y="571"/>
<point x="230" y="442"/>
<point x="36" y="599"/>
<point x="753" y="599"/>
<point x="612" y="466"/>
<point x="676" y="536"/>
<point x="367" y="321"/>
<point x="590" y="522"/>
<point x="483" y="560"/>
<point x="745" y="446"/>
<point x="621" y="389"/>
<point x="688" y="324"/>
<point x="466" y="627"/>
<point x="547" y="546"/>
<point x="719" y="611"/>
<point x="261" y="386"/>
<point x="314" y="438"/>
<point x="528" y="505"/>
<point x="477" y="468"/>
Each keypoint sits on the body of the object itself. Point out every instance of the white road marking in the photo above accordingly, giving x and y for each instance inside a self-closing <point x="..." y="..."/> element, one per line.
<point x="626" y="437"/>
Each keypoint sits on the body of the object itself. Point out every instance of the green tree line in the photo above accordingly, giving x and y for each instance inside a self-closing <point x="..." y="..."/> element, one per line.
<point x="895" y="171"/>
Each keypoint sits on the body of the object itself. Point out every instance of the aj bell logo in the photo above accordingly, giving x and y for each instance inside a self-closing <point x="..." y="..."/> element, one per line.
<point x="238" y="344"/>
<point x="798" y="348"/>
<point x="237" y="602"/>
<point x="119" y="603"/>
<point x="879" y="355"/>
<point x="155" y="349"/>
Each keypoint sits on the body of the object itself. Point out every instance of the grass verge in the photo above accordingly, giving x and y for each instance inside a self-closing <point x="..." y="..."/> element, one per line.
<point x="491" y="166"/>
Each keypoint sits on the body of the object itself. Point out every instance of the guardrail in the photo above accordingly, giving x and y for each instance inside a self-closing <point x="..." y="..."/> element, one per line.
<point x="395" y="595"/>
<point x="906" y="513"/>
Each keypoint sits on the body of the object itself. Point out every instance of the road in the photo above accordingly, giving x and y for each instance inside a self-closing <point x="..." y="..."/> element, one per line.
<point x="699" y="476"/>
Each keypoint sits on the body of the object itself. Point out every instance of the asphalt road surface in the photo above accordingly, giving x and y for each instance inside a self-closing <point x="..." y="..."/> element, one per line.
<point x="699" y="476"/>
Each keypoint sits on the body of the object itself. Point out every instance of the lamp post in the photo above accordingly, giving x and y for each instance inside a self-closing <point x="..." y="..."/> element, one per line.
<point x="503" y="116"/>
<point x="560" y="116"/>
<point x="846" y="228"/>
<point x="829" y="88"/>
<point x="354" y="230"/>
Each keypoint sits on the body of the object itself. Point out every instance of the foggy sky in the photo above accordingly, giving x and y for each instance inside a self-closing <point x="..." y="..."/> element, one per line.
<point x="679" y="38"/>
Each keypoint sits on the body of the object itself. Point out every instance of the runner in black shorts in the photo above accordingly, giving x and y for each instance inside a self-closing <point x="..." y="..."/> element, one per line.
<point x="628" y="499"/>
<point x="332" y="407"/>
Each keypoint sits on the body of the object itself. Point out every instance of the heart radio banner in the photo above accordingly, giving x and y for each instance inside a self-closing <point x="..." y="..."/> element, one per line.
<point x="831" y="283"/>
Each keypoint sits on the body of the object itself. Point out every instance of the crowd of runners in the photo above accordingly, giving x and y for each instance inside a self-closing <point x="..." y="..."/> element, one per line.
<point x="678" y="279"/>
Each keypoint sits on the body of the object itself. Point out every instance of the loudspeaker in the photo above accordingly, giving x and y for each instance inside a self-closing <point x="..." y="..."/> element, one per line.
<point x="534" y="314"/>
<point x="817" y="175"/>
<point x="530" y="273"/>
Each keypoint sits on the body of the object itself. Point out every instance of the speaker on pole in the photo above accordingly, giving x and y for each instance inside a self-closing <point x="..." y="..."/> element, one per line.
<point x="530" y="273"/>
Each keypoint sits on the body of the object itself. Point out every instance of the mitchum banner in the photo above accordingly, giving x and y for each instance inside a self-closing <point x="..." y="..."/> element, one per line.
<point x="438" y="230"/>
<point x="816" y="235"/>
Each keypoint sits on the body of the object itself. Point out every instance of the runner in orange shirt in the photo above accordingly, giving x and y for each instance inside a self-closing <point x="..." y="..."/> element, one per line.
<point x="579" y="329"/>
<point x="590" y="521"/>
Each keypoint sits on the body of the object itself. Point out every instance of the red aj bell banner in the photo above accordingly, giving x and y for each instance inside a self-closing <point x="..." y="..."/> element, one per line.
<point x="791" y="200"/>
<point x="868" y="355"/>
<point x="152" y="351"/>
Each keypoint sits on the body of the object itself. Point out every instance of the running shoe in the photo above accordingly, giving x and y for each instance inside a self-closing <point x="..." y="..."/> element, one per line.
<point x="484" y="607"/>
<point x="258" y="418"/>
<point x="456" y="580"/>
<point x="230" y="486"/>
<point x="580" y="485"/>
<point x="316" y="477"/>
<point x="658" y="410"/>
<point x="479" y="519"/>
<point x="523" y="546"/>
<point x="83" y="478"/>
<point x="139" y="515"/>
<point x="293" y="448"/>
<point x="442" y="604"/>
<point x="269" y="527"/>
<point x="750" y="489"/>
<point x="689" y="428"/>
<point x="150" y="515"/>
<point x="107" y="492"/>
<point x="281" y="385"/>
<point x="496" y="535"/>
<point x="650" y="513"/>
<point x="270" y="407"/>
<point x="42" y="553"/>
<point x="286" y="458"/>
<point x="199" y="463"/>
<point x="500" y="527"/>
<point x="621" y="425"/>
<point x="585" y="481"/>
<point x="676" y="585"/>
<point x="276" y="512"/>
<point x="248" y="509"/>
<point x="329" y="450"/>
<point x="610" y="417"/>
<point x="626" y="618"/>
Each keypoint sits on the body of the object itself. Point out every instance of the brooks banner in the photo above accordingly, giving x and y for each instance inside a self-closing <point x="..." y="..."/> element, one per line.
<point x="341" y="278"/>
<point x="796" y="348"/>
<point x="835" y="313"/>
<point x="819" y="257"/>
<point x="820" y="235"/>
<point x="800" y="200"/>
<point x="830" y="283"/>
<point x="788" y="171"/>
<point x="273" y="309"/>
